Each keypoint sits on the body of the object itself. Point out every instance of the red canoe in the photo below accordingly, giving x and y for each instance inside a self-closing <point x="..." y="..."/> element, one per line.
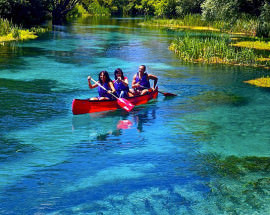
<point x="82" y="106"/>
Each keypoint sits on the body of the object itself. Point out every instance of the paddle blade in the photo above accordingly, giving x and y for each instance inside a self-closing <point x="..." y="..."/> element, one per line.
<point x="168" y="94"/>
<point x="125" y="104"/>
<point x="124" y="124"/>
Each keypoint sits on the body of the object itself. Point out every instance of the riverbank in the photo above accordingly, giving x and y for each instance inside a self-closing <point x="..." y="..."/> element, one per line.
<point x="216" y="49"/>
<point x="10" y="32"/>
<point x="215" y="42"/>
<point x="243" y="27"/>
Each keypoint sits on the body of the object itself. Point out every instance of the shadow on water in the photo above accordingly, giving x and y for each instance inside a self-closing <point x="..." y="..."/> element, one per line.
<point x="26" y="103"/>
<point x="103" y="176"/>
<point x="12" y="149"/>
<point x="35" y="86"/>
<point x="12" y="55"/>
<point x="107" y="124"/>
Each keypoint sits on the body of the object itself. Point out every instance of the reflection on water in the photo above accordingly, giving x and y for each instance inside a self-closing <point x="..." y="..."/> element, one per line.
<point x="204" y="151"/>
<point x="143" y="116"/>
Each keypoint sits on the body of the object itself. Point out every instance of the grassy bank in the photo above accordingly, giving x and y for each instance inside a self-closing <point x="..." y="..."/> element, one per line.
<point x="10" y="32"/>
<point x="244" y="26"/>
<point x="213" y="49"/>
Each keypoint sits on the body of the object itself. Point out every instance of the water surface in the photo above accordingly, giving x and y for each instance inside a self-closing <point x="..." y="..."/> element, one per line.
<point x="205" y="151"/>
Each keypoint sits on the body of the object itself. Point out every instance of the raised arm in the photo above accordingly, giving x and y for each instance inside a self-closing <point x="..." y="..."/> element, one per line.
<point x="91" y="86"/>
<point x="125" y="81"/>
<point x="154" y="78"/>
<point x="112" y="87"/>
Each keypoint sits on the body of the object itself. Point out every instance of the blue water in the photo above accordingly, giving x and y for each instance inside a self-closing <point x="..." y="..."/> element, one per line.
<point x="206" y="151"/>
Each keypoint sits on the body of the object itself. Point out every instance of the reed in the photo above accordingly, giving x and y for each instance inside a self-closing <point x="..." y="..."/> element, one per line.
<point x="5" y="27"/>
<point x="213" y="49"/>
<point x="11" y="32"/>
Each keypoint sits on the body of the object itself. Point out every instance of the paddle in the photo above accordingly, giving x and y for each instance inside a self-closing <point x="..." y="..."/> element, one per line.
<point x="167" y="94"/>
<point x="123" y="103"/>
<point x="164" y="93"/>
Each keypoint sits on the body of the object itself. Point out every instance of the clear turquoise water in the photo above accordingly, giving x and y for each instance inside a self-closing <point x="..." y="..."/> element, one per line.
<point x="206" y="151"/>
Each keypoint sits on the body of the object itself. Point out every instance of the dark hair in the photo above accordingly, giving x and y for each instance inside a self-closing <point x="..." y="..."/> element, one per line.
<point x="106" y="75"/>
<point x="116" y="71"/>
<point x="143" y="67"/>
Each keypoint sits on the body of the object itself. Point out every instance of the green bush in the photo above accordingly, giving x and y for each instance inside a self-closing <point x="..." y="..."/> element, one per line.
<point x="15" y="32"/>
<point x="77" y="11"/>
<point x="5" y="27"/>
<point x="263" y="29"/>
<point x="25" y="12"/>
<point x="96" y="9"/>
<point x="220" y="10"/>
<point x="184" y="7"/>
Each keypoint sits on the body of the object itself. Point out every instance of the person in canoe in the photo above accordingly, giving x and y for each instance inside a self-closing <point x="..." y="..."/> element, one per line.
<point x="121" y="84"/>
<point x="105" y="81"/>
<point x="141" y="82"/>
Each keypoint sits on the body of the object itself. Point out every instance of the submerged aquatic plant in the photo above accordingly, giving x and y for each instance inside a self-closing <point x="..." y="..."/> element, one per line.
<point x="262" y="45"/>
<point x="218" y="98"/>
<point x="260" y="82"/>
<point x="233" y="166"/>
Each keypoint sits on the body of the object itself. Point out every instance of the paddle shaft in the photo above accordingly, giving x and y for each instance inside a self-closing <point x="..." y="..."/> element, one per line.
<point x="103" y="88"/>
<point x="165" y="94"/>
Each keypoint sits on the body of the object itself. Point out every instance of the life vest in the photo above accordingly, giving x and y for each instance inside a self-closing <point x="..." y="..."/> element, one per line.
<point x="143" y="82"/>
<point x="104" y="93"/>
<point x="119" y="87"/>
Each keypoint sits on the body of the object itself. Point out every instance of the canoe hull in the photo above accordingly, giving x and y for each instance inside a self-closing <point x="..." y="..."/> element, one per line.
<point x="82" y="106"/>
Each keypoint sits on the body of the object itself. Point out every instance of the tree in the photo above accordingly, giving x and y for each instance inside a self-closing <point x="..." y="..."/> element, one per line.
<point x="263" y="29"/>
<point x="25" y="12"/>
<point x="220" y="10"/>
<point x="60" y="8"/>
<point x="184" y="7"/>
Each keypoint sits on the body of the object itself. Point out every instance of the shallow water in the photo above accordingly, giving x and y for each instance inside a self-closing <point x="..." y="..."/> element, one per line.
<point x="206" y="151"/>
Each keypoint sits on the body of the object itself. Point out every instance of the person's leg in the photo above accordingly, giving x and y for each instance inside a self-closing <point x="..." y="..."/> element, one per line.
<point x="122" y="94"/>
<point x="104" y="98"/>
<point x="145" y="91"/>
<point x="94" y="98"/>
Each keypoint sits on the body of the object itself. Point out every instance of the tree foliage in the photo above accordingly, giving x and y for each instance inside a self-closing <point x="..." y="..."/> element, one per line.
<point x="60" y="8"/>
<point x="263" y="29"/>
<point x="219" y="10"/>
<point x="30" y="12"/>
<point x="184" y="7"/>
<point x="26" y="12"/>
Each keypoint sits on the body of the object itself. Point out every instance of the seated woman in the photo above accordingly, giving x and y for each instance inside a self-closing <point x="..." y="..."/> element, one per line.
<point x="105" y="81"/>
<point x="121" y="84"/>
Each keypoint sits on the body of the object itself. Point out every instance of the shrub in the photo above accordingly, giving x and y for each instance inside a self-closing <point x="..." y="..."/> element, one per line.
<point x="263" y="29"/>
<point x="15" y="32"/>
<point x="220" y="10"/>
<point x="184" y="7"/>
<point x="5" y="27"/>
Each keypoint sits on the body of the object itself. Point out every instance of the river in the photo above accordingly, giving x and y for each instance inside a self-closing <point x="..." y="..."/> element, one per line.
<point x="206" y="151"/>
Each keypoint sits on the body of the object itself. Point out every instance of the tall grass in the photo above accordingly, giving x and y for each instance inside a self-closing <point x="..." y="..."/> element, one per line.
<point x="9" y="32"/>
<point x="188" y="20"/>
<point x="5" y="27"/>
<point x="97" y="10"/>
<point x="212" y="49"/>
<point x="246" y="25"/>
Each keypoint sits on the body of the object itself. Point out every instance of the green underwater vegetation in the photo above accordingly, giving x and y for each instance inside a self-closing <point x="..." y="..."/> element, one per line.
<point x="218" y="98"/>
<point x="242" y="181"/>
<point x="235" y="167"/>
